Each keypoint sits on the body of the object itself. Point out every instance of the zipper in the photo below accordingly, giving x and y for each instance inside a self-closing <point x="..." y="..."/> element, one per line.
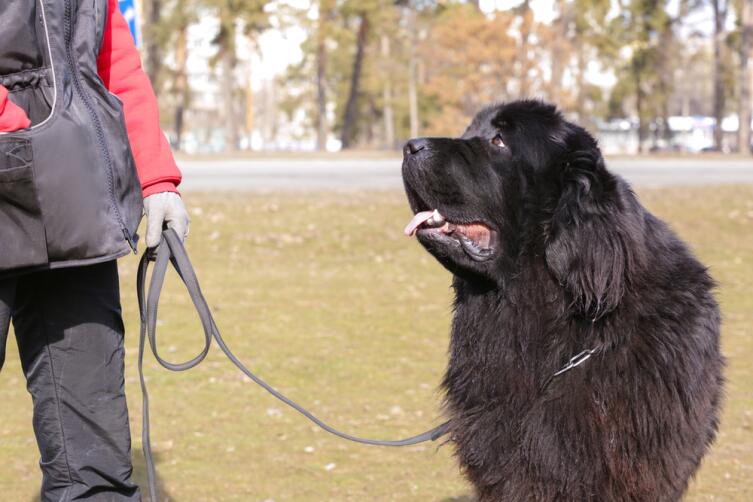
<point x="68" y="36"/>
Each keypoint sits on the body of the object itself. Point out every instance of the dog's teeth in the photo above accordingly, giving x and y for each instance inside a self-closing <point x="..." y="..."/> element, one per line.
<point x="436" y="219"/>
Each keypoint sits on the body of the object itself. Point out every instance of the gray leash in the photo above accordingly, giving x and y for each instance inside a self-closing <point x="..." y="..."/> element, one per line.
<point x="171" y="250"/>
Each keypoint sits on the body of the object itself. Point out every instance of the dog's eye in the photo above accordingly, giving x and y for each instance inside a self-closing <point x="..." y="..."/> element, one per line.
<point x="497" y="141"/>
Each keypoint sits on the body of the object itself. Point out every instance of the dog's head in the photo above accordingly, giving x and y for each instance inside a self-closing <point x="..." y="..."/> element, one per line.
<point x="522" y="182"/>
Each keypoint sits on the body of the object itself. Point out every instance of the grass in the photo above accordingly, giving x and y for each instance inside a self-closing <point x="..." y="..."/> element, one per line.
<point x="322" y="294"/>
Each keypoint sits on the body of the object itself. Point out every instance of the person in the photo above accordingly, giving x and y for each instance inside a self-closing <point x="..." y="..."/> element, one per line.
<point x="80" y="147"/>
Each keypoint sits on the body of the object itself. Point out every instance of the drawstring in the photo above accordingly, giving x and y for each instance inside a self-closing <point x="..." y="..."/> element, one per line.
<point x="171" y="250"/>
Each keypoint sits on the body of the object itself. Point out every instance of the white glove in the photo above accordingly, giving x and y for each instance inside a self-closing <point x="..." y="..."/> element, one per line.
<point x="161" y="208"/>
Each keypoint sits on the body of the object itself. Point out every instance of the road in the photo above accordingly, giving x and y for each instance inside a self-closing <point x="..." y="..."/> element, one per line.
<point x="318" y="173"/>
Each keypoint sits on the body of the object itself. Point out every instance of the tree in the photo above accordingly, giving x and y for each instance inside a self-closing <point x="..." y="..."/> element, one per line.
<point x="526" y="63"/>
<point x="590" y="28"/>
<point x="392" y="68"/>
<point x="343" y="69"/>
<point x="413" y="40"/>
<point x="640" y="40"/>
<point x="154" y="40"/>
<point x="236" y="17"/>
<point x="470" y="61"/>
<point x="561" y="48"/>
<point x="348" y="132"/>
<point x="720" y="18"/>
<point x="177" y="22"/>
<point x="325" y="16"/>
<point x="387" y="115"/>
<point x="745" y="19"/>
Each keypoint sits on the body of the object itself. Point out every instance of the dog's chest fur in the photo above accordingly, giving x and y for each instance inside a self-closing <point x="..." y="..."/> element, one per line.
<point x="499" y="352"/>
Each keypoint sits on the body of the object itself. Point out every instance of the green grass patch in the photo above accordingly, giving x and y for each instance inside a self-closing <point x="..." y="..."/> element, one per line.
<point x="324" y="297"/>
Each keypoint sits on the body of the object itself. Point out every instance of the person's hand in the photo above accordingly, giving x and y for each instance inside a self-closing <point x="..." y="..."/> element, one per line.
<point x="161" y="208"/>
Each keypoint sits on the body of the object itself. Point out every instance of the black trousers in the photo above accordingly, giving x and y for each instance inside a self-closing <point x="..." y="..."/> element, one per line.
<point x="69" y="330"/>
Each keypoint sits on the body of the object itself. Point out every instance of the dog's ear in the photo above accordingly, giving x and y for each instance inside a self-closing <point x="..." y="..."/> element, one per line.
<point x="585" y="245"/>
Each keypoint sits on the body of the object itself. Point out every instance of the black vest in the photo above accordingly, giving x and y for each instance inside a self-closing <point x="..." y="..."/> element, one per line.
<point x="69" y="191"/>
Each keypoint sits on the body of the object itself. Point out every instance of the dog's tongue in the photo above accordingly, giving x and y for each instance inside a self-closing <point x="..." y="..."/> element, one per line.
<point x="416" y="222"/>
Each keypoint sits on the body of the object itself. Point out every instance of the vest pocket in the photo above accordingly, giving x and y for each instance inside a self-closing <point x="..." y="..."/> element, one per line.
<point x="22" y="235"/>
<point x="33" y="91"/>
<point x="26" y="69"/>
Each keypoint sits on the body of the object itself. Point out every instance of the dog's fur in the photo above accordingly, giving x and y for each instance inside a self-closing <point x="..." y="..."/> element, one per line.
<point x="576" y="263"/>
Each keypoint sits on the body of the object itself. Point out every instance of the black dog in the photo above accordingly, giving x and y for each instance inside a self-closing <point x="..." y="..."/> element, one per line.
<point x="553" y="255"/>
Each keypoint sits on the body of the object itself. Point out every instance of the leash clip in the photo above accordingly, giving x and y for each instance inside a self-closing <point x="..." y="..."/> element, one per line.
<point x="576" y="360"/>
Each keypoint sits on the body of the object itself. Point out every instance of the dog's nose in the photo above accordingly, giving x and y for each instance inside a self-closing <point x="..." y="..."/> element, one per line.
<point x="415" y="145"/>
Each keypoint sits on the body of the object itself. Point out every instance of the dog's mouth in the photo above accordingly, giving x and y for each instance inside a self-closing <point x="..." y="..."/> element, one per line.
<point x="476" y="238"/>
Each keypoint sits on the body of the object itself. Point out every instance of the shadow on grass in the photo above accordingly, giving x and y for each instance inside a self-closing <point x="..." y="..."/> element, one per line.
<point x="139" y="477"/>
<point x="460" y="498"/>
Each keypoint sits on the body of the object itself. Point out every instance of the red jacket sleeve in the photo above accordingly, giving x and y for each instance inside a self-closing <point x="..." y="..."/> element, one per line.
<point x="12" y="118"/>
<point x="119" y="67"/>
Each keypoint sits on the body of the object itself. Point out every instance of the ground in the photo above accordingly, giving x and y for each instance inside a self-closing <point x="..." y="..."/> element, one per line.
<point x="371" y="171"/>
<point x="324" y="296"/>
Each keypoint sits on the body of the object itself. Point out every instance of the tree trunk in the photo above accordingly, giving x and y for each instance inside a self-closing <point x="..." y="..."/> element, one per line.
<point x="151" y="43"/>
<point x="413" y="98"/>
<point x="525" y="44"/>
<point x="321" y="82"/>
<point x="389" y="125"/>
<point x="580" y="85"/>
<point x="321" y="97"/>
<point x="249" y="129"/>
<point x="181" y="82"/>
<point x="559" y="51"/>
<point x="412" y="75"/>
<point x="372" y="128"/>
<point x="665" y="81"/>
<point x="351" y="108"/>
<point x="639" y="104"/>
<point x="744" y="105"/>
<point x="228" y="94"/>
<point x="720" y="15"/>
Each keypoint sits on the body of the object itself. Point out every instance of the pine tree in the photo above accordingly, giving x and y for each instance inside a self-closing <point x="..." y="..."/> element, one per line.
<point x="236" y="17"/>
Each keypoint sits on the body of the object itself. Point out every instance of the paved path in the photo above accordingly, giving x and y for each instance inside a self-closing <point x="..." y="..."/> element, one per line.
<point x="315" y="174"/>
